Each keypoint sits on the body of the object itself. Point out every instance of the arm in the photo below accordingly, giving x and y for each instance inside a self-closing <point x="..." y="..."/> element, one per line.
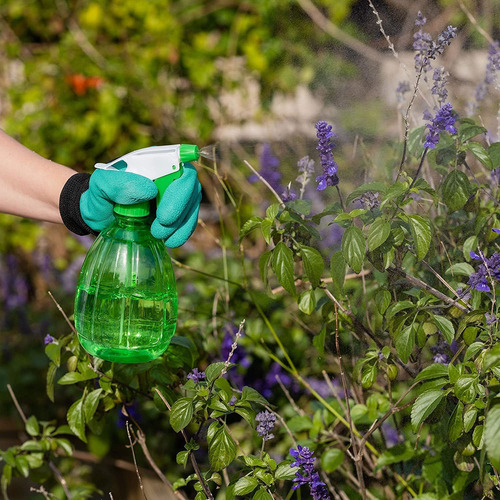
<point x="29" y="184"/>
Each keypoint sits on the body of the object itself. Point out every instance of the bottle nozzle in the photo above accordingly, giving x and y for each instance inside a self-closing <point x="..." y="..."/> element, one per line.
<point x="189" y="152"/>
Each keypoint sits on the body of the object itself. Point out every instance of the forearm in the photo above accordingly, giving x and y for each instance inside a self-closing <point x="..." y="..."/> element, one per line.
<point x="29" y="184"/>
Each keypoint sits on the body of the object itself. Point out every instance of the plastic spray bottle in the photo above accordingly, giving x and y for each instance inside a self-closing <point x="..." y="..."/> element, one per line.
<point x="126" y="299"/>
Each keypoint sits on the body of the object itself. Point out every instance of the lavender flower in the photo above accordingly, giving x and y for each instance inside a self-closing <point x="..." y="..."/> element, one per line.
<point x="442" y="351"/>
<point x="440" y="78"/>
<point x="269" y="168"/>
<point x="325" y="146"/>
<point x="288" y="194"/>
<point x="196" y="376"/>
<point x="265" y="386"/>
<point x="232" y="401"/>
<point x="307" y="475"/>
<point x="402" y="89"/>
<point x="491" y="319"/>
<point x="391" y="435"/>
<point x="49" y="339"/>
<point x="493" y="63"/>
<point x="370" y="200"/>
<point x="490" y="267"/>
<point x="444" y="39"/>
<point x="266" y="421"/>
<point x="443" y="120"/>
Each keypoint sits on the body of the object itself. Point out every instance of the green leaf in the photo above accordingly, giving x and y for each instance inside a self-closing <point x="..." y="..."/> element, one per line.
<point x="455" y="425"/>
<point x="480" y="153"/>
<point x="285" y="471"/>
<point x="51" y="375"/>
<point x="90" y="404"/>
<point x="446" y="327"/>
<point x="405" y="342"/>
<point x="414" y="144"/>
<point x="214" y="370"/>
<point x="424" y="405"/>
<point x="421" y="232"/>
<point x="245" y="485"/>
<point x="65" y="445"/>
<point x="182" y="457"/>
<point x="265" y="227"/>
<point x="32" y="427"/>
<point x="460" y="269"/>
<point x="53" y="352"/>
<point x="492" y="357"/>
<point x="76" y="419"/>
<point x="22" y="466"/>
<point x="494" y="154"/>
<point x="299" y="423"/>
<point x="313" y="264"/>
<point x="181" y="413"/>
<point x="466" y="388"/>
<point x="353" y="248"/>
<point x="75" y="377"/>
<point x="436" y="370"/>
<point x="272" y="211"/>
<point x="282" y="264"/>
<point x="5" y="481"/>
<point x="456" y="190"/>
<point x="337" y="272"/>
<point x="262" y="494"/>
<point x="301" y="206"/>
<point x="250" y="394"/>
<point x="378" y="233"/>
<point x="398" y="307"/>
<point x="491" y="433"/>
<point x="470" y="415"/>
<point x="377" y="187"/>
<point x="467" y="131"/>
<point x="250" y="225"/>
<point x="382" y="300"/>
<point x="307" y="301"/>
<point x="399" y="453"/>
<point x="469" y="244"/>
<point x="331" y="460"/>
<point x="221" y="449"/>
<point x="264" y="266"/>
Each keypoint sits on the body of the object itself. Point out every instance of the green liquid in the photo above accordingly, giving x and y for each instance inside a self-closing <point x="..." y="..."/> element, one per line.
<point x="124" y="327"/>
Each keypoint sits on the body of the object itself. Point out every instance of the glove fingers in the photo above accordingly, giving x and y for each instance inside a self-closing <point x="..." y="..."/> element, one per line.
<point x="124" y="188"/>
<point x="178" y="197"/>
<point x="182" y="227"/>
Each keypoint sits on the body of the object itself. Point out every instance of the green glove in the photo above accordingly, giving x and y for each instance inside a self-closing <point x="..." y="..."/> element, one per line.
<point x="106" y="188"/>
<point x="177" y="213"/>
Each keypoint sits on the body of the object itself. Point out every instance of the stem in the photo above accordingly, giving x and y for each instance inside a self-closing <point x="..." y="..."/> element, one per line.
<point x="127" y="425"/>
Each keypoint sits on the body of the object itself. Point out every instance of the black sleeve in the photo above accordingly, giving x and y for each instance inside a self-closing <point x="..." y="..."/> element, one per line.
<point x="69" y="204"/>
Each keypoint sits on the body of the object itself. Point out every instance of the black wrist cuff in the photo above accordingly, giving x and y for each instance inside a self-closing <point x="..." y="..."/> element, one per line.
<point x="69" y="204"/>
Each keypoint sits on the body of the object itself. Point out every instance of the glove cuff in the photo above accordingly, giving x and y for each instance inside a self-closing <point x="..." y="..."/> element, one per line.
<point x="69" y="204"/>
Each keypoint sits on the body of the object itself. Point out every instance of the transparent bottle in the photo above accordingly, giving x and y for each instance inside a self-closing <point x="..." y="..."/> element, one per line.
<point x="126" y="300"/>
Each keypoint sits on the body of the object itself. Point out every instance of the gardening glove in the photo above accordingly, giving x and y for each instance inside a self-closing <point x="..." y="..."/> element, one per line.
<point x="177" y="213"/>
<point x="86" y="201"/>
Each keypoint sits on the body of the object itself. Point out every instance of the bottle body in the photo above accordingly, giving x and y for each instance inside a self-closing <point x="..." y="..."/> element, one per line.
<point x="126" y="300"/>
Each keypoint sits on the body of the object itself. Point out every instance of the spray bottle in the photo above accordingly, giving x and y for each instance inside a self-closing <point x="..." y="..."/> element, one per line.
<point x="126" y="299"/>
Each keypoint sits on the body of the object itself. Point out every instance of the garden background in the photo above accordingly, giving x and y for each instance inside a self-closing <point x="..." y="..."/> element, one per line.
<point x="87" y="81"/>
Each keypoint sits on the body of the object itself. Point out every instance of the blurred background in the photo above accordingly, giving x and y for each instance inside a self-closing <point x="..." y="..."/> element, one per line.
<point x="86" y="81"/>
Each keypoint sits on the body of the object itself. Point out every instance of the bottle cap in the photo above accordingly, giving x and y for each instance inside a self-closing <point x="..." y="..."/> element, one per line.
<point x="136" y="210"/>
<point x="189" y="152"/>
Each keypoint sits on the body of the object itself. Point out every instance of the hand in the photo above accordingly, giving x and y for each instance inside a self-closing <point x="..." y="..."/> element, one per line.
<point x="177" y="213"/>
<point x="106" y="188"/>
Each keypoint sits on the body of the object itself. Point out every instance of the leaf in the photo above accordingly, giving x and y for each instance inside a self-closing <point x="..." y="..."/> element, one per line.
<point x="331" y="460"/>
<point x="414" y="144"/>
<point x="353" y="248"/>
<point x="250" y="225"/>
<point x="424" y="405"/>
<point x="456" y="190"/>
<point x="467" y="131"/>
<point x="377" y="187"/>
<point x="91" y="403"/>
<point x="250" y="394"/>
<point x="75" y="377"/>
<point x="262" y="494"/>
<point x="221" y="450"/>
<point x="494" y="154"/>
<point x="421" y="232"/>
<point x="285" y="471"/>
<point x="460" y="269"/>
<point x="76" y="419"/>
<point x="466" y="388"/>
<point x="337" y="272"/>
<point x="491" y="433"/>
<point x="282" y="264"/>
<point x="32" y="427"/>
<point x="22" y="466"/>
<point x="492" y="357"/>
<point x="272" y="211"/>
<point x="480" y="153"/>
<point x="436" y="370"/>
<point x="455" y="425"/>
<point x="307" y="301"/>
<point x="263" y="266"/>
<point x="214" y="370"/>
<point x="51" y="375"/>
<point x="470" y="415"/>
<point x="399" y="453"/>
<point x="53" y="352"/>
<point x="405" y="342"/>
<point x="446" y="327"/>
<point x="181" y="413"/>
<point x="265" y="227"/>
<point x="382" y="300"/>
<point x="313" y="264"/>
<point x="378" y="233"/>
<point x="245" y="485"/>
<point x="398" y="307"/>
<point x="182" y="457"/>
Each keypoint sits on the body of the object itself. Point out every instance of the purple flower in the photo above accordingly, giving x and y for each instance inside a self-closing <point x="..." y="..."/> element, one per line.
<point x="496" y="230"/>
<point x="288" y="194"/>
<point x="443" y="120"/>
<point x="265" y="386"/>
<point x="391" y="435"/>
<point x="269" y="168"/>
<point x="196" y="376"/>
<point x="232" y="401"/>
<point x="323" y="388"/>
<point x="444" y="39"/>
<point x="304" y="459"/>
<point x="490" y="267"/>
<point x="370" y="200"/>
<point x="493" y="63"/>
<point x="441" y="358"/>
<point x="440" y="78"/>
<point x="132" y="410"/>
<point x="325" y="146"/>
<point x="402" y="89"/>
<point x="49" y="339"/>
<point x="266" y="421"/>
<point x="491" y="319"/>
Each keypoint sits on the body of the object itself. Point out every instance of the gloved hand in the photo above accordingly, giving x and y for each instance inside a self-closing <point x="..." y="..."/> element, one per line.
<point x="177" y="213"/>
<point x="86" y="202"/>
<point x="107" y="187"/>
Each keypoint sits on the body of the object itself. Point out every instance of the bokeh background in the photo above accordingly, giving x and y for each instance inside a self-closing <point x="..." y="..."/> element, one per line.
<point x="86" y="81"/>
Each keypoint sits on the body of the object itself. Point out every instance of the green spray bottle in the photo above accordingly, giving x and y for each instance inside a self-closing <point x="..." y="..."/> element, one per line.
<point x="126" y="299"/>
